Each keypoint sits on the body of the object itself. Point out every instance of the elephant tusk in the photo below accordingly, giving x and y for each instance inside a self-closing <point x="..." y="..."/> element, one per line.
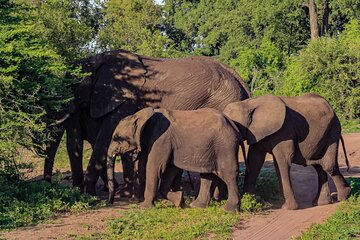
<point x="63" y="119"/>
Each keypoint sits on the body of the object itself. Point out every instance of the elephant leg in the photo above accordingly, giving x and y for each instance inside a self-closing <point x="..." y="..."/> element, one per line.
<point x="278" y="176"/>
<point x="74" y="145"/>
<point x="167" y="180"/>
<point x="230" y="178"/>
<point x="50" y="153"/>
<point x="220" y="189"/>
<point x="323" y="194"/>
<point x="155" y="167"/>
<point x="139" y="177"/>
<point x="255" y="161"/>
<point x="331" y="166"/>
<point x="128" y="175"/>
<point x="283" y="153"/>
<point x="204" y="196"/>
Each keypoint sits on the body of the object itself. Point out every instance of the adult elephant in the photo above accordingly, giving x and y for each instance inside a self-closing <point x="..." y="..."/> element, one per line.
<point x="120" y="83"/>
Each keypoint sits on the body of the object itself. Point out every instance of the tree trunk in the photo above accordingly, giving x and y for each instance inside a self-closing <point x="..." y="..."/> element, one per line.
<point x="314" y="28"/>
<point x="326" y="13"/>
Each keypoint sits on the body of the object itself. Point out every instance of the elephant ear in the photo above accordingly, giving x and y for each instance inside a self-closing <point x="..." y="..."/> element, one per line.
<point x="266" y="116"/>
<point x="141" y="119"/>
<point x="117" y="77"/>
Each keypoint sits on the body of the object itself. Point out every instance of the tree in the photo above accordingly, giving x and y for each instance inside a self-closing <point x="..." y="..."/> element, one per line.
<point x="314" y="27"/>
<point x="33" y="87"/>
<point x="330" y="67"/>
<point x="134" y="25"/>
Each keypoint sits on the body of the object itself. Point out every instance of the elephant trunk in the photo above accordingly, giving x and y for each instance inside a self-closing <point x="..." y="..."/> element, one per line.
<point x="50" y="152"/>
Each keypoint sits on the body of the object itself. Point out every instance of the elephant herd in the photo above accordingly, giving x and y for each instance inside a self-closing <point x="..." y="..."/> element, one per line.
<point x="168" y="115"/>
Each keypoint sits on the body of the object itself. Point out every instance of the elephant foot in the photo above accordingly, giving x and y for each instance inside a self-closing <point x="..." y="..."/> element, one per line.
<point x="290" y="205"/>
<point x="343" y="194"/>
<point x="322" y="200"/>
<point x="230" y="207"/>
<point x="198" y="204"/>
<point x="177" y="198"/>
<point x="146" y="204"/>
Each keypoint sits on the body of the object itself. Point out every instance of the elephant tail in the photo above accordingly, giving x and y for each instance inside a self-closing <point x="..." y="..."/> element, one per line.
<point x="346" y="158"/>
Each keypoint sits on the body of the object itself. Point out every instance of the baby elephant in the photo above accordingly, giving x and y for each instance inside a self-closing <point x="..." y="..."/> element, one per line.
<point x="202" y="140"/>
<point x="302" y="130"/>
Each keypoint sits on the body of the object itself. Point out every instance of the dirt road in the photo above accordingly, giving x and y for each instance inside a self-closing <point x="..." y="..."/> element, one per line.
<point x="283" y="224"/>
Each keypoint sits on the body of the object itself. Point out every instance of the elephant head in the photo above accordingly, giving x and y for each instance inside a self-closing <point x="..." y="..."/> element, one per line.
<point x="127" y="135"/>
<point x="257" y="117"/>
<point x="109" y="81"/>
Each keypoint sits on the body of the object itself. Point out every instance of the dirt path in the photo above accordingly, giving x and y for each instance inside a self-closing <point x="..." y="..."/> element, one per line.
<point x="282" y="224"/>
<point x="278" y="224"/>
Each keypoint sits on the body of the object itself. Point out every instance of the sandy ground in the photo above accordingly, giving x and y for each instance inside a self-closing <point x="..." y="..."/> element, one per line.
<point x="278" y="224"/>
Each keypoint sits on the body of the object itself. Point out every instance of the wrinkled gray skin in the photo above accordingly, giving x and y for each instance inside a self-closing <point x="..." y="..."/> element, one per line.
<point x="302" y="130"/>
<point x="176" y="139"/>
<point x="120" y="83"/>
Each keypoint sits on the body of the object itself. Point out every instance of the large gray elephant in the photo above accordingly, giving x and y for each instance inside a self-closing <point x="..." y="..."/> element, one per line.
<point x="302" y="130"/>
<point x="202" y="140"/>
<point x="120" y="83"/>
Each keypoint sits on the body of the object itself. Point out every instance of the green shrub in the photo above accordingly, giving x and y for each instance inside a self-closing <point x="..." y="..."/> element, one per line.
<point x="330" y="67"/>
<point x="24" y="203"/>
<point x="249" y="203"/>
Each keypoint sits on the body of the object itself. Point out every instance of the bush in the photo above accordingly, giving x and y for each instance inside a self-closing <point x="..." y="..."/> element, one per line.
<point x="25" y="203"/>
<point x="330" y="67"/>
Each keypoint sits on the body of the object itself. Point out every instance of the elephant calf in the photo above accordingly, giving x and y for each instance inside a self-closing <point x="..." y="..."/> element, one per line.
<point x="302" y="130"/>
<point x="202" y="140"/>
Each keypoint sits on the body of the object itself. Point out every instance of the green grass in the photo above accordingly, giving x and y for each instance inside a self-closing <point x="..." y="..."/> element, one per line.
<point x="167" y="222"/>
<point x="26" y="203"/>
<point x="344" y="223"/>
<point x="351" y="126"/>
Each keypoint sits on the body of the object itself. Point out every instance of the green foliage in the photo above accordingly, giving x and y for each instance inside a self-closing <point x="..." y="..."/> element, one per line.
<point x="330" y="67"/>
<point x="249" y="203"/>
<point x="350" y="126"/>
<point x="167" y="222"/>
<point x="31" y="79"/>
<point x="343" y="224"/>
<point x="267" y="185"/>
<point x="134" y="26"/>
<point x="25" y="203"/>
